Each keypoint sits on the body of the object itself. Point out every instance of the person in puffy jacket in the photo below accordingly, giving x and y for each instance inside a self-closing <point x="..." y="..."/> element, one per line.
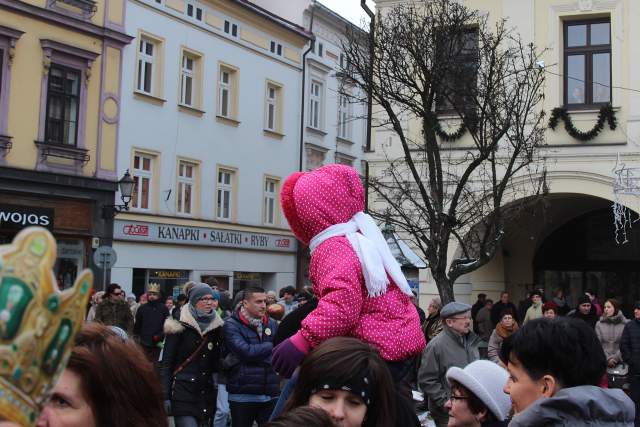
<point x="630" y="351"/>
<point x="190" y="358"/>
<point x="555" y="367"/>
<point x="252" y="383"/>
<point x="361" y="290"/>
<point x="609" y="331"/>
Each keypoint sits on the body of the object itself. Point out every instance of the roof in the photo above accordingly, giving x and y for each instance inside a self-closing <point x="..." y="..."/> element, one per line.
<point x="402" y="252"/>
<point x="336" y="17"/>
<point x="288" y="25"/>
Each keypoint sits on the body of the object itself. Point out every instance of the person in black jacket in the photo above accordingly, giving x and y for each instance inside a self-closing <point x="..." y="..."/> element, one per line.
<point x="585" y="311"/>
<point x="252" y="383"/>
<point x="149" y="322"/>
<point x="190" y="358"/>
<point x="630" y="350"/>
<point x="502" y="305"/>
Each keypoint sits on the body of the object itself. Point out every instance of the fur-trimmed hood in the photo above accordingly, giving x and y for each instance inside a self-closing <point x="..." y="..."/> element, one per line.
<point x="172" y="326"/>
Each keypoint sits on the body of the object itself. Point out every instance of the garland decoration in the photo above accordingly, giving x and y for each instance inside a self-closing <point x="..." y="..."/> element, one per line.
<point x="606" y="113"/>
<point x="445" y="136"/>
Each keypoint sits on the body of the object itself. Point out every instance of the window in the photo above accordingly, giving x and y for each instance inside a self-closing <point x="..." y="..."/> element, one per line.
<point x="146" y="63"/>
<point x="270" y="186"/>
<point x="587" y="63"/>
<point x="231" y="28"/>
<point x="194" y="11"/>
<point x="272" y="106"/>
<point x="320" y="49"/>
<point x="224" y="194"/>
<point x="63" y="94"/>
<point x="186" y="185"/>
<point x="186" y="88"/>
<point x="460" y="56"/>
<point x="315" y="105"/>
<point x="276" y="48"/>
<point x="344" y="124"/>
<point x="225" y="89"/>
<point x="142" y="177"/>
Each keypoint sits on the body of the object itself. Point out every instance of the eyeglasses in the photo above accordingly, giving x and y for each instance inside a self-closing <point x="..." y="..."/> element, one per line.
<point x="207" y="299"/>
<point x="117" y="293"/>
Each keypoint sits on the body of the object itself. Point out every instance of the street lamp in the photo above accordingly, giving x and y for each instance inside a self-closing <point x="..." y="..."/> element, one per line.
<point x="125" y="185"/>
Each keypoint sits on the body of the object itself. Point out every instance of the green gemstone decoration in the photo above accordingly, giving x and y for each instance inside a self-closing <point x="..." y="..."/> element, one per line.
<point x="17" y="374"/>
<point x="84" y="288"/>
<point x="5" y="364"/>
<point x="38" y="246"/>
<point x="32" y="417"/>
<point x="53" y="303"/>
<point x="14" y="348"/>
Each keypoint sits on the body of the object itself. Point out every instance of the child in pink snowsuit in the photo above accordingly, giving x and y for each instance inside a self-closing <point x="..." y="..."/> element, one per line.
<point x="361" y="290"/>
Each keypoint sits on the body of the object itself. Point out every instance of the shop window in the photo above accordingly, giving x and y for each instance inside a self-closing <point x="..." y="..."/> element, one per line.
<point x="587" y="63"/>
<point x="142" y="181"/>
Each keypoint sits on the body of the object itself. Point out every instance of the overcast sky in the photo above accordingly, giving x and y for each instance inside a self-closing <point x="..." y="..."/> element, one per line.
<point x="349" y="9"/>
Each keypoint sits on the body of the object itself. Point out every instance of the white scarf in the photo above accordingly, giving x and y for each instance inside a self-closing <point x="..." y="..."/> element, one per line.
<point x="372" y="251"/>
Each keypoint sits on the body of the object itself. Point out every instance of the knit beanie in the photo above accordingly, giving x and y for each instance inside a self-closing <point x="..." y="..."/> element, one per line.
<point x="198" y="291"/>
<point x="485" y="380"/>
<point x="584" y="299"/>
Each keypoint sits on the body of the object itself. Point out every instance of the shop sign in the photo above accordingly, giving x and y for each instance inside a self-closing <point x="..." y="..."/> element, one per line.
<point x="242" y="275"/>
<point x="167" y="274"/>
<point x="201" y="236"/>
<point x="16" y="217"/>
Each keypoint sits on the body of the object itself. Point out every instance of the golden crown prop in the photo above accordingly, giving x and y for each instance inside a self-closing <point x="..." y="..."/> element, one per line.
<point x="38" y="323"/>
<point x="153" y="287"/>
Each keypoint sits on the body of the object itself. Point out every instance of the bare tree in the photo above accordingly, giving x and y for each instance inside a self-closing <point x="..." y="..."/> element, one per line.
<point x="462" y="97"/>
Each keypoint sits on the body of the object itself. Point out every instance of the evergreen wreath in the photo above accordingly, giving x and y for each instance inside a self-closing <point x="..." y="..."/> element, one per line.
<point x="606" y="113"/>
<point x="445" y="136"/>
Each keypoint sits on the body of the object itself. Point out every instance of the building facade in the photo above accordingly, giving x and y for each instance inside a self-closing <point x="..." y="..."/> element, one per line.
<point x="212" y="92"/>
<point x="568" y="242"/>
<point x="60" y="92"/>
<point x="335" y="119"/>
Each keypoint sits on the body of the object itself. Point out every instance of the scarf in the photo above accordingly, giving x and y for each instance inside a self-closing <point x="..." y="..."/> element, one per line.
<point x="504" y="332"/>
<point x="372" y="250"/>
<point x="256" y="322"/>
<point x="203" y="318"/>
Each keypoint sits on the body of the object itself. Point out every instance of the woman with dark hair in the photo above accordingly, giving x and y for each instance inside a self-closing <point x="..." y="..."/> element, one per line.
<point x="609" y="331"/>
<point x="505" y="327"/>
<point x="350" y="381"/>
<point x="108" y="382"/>
<point x="306" y="416"/>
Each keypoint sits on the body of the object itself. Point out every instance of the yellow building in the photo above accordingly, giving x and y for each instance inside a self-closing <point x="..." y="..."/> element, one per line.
<point x="60" y="63"/>
<point x="569" y="242"/>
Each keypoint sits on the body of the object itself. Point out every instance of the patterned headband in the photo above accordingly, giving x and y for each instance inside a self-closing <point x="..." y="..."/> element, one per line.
<point x="360" y="385"/>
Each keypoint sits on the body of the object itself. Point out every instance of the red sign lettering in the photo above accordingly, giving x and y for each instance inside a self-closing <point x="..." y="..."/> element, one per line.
<point x="136" y="230"/>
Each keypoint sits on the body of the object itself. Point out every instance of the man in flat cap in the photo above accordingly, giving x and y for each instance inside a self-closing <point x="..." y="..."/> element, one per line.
<point x="456" y="345"/>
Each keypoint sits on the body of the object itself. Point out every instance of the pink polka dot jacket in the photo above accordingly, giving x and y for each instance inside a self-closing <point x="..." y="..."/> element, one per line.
<point x="312" y="202"/>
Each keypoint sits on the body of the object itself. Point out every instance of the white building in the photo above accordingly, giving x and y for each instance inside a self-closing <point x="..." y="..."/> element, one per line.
<point x="210" y="128"/>
<point x="334" y="126"/>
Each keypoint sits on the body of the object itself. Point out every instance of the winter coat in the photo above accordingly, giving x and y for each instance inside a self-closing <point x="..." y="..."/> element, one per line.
<point x="192" y="391"/>
<point x="533" y="312"/>
<point x="292" y="323"/>
<point x="485" y="326"/>
<point x="630" y="346"/>
<point x="579" y="406"/>
<point x="432" y="326"/>
<point x="590" y="318"/>
<point x="609" y="332"/>
<point x="248" y="362"/>
<point x="497" y="309"/>
<point x="114" y="313"/>
<point x="495" y="341"/>
<point x="447" y="349"/>
<point x="312" y="202"/>
<point x="150" y="319"/>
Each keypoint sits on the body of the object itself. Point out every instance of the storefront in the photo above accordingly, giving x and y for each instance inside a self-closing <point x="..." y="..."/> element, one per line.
<point x="68" y="206"/>
<point x="172" y="254"/>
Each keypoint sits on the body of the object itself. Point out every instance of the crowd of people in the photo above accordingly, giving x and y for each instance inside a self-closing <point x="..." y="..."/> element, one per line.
<point x="347" y="351"/>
